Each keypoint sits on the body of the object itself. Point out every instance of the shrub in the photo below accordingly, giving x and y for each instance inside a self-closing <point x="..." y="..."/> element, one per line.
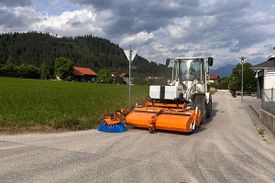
<point x="63" y="67"/>
<point x="44" y="72"/>
<point x="104" y="76"/>
<point x="23" y="71"/>
<point x="27" y="71"/>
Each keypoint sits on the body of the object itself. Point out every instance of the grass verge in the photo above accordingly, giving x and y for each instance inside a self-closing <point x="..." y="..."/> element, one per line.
<point x="36" y="104"/>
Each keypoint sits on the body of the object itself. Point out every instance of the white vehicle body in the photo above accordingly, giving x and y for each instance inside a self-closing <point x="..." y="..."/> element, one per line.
<point x="190" y="75"/>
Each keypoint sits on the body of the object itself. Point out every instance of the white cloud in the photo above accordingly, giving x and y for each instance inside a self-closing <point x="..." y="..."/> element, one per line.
<point x="78" y="22"/>
<point x="137" y="39"/>
<point x="159" y="29"/>
<point x="17" y="18"/>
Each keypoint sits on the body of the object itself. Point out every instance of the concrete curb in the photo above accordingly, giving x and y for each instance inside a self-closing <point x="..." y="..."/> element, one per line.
<point x="254" y="110"/>
<point x="268" y="119"/>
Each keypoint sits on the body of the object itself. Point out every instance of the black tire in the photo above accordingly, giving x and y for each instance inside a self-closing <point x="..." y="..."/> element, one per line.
<point x="195" y="130"/>
<point x="200" y="102"/>
<point x="151" y="130"/>
<point x="209" y="108"/>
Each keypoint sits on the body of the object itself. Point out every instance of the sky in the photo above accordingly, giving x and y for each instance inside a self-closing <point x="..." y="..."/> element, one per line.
<point x="158" y="29"/>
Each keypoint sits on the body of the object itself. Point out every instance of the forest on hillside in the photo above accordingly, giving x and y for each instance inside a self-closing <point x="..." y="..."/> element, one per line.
<point x="41" y="50"/>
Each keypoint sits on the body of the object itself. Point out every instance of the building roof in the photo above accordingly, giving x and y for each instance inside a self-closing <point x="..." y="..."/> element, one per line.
<point x="81" y="71"/>
<point x="123" y="74"/>
<point x="270" y="63"/>
<point x="214" y="76"/>
<point x="271" y="57"/>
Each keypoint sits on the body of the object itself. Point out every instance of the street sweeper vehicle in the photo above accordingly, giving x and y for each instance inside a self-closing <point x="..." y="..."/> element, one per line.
<point x="180" y="106"/>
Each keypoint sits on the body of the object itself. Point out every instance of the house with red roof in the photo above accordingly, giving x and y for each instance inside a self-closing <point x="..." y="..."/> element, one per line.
<point x="214" y="78"/>
<point x="83" y="74"/>
<point x="125" y="77"/>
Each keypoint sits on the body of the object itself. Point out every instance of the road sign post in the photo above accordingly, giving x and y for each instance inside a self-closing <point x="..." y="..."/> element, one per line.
<point x="130" y="54"/>
<point x="242" y="62"/>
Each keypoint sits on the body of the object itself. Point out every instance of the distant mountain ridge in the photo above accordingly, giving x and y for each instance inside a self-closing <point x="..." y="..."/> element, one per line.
<point x="223" y="71"/>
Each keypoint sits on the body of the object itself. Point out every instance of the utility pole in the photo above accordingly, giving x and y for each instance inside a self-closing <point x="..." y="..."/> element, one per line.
<point x="242" y="62"/>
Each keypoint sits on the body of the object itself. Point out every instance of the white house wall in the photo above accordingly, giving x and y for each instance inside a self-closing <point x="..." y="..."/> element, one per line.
<point x="269" y="79"/>
<point x="269" y="83"/>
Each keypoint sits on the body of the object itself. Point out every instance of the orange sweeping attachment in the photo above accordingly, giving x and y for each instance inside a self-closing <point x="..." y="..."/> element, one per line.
<point x="113" y="123"/>
<point x="180" y="119"/>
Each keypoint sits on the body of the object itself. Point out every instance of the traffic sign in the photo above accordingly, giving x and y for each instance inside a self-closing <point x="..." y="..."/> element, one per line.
<point x="130" y="54"/>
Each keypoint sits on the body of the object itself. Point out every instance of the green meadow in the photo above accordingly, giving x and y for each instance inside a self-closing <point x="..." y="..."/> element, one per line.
<point x="27" y="104"/>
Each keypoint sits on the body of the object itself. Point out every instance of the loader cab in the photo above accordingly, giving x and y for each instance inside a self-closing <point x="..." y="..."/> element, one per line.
<point x="188" y="69"/>
<point x="191" y="73"/>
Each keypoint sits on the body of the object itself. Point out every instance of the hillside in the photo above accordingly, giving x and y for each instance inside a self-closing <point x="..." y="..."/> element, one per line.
<point x="88" y="51"/>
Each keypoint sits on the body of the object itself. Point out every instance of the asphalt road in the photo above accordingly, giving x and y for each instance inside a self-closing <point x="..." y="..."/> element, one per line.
<point x="226" y="149"/>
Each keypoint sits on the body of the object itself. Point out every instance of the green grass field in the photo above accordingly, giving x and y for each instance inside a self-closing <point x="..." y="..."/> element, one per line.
<point x="35" y="104"/>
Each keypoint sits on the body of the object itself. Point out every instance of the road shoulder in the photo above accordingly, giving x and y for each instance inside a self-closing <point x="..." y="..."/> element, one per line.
<point x="267" y="135"/>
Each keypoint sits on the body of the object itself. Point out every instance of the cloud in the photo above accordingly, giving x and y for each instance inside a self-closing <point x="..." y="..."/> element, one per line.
<point x="17" y="15"/>
<point x="137" y="39"/>
<point x="72" y="23"/>
<point x="158" y="29"/>
<point x="17" y="18"/>
<point x="136" y="16"/>
<point x="12" y="3"/>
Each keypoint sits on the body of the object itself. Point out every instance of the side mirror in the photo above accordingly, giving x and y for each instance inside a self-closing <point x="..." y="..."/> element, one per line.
<point x="210" y="61"/>
<point x="168" y="61"/>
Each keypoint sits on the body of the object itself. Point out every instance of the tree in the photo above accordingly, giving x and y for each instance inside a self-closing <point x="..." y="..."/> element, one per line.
<point x="249" y="80"/>
<point x="234" y="85"/>
<point x="44" y="72"/>
<point x="104" y="76"/>
<point x="63" y="67"/>
<point x="223" y="83"/>
<point x="33" y="48"/>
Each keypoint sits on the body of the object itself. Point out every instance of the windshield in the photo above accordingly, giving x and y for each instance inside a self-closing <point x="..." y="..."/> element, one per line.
<point x="187" y="70"/>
